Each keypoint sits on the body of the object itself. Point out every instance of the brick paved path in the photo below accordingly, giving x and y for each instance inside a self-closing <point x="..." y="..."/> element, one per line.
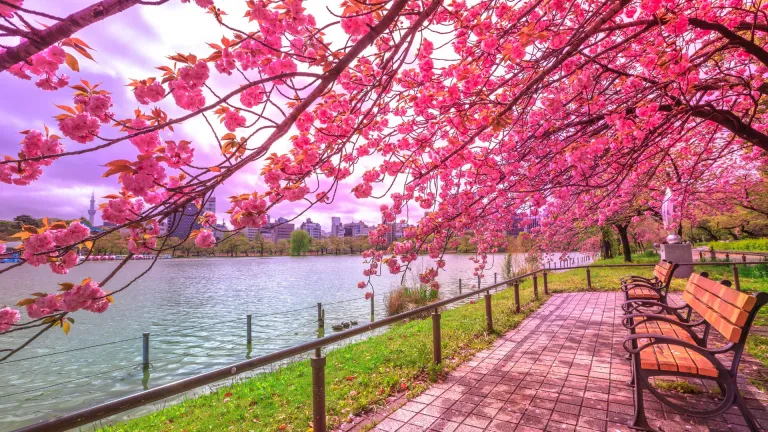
<point x="563" y="369"/>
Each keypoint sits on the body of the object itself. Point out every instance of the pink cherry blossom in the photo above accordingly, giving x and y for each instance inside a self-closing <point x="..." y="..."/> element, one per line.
<point x="205" y="239"/>
<point x="8" y="317"/>
<point x="82" y="127"/>
<point x="151" y="93"/>
<point x="233" y="120"/>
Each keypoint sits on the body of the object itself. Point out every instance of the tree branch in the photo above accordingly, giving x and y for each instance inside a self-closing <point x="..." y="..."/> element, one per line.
<point x="62" y="30"/>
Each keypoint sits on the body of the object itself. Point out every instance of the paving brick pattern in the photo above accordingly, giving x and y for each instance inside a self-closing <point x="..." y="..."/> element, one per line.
<point x="562" y="369"/>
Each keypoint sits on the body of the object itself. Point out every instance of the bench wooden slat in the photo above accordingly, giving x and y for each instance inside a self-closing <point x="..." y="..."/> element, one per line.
<point x="738" y="299"/>
<point x="671" y="357"/>
<point x="729" y="330"/>
<point x="726" y="310"/>
<point x="642" y="293"/>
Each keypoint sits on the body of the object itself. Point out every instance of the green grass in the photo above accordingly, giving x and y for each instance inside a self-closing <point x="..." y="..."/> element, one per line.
<point x="358" y="376"/>
<point x="683" y="387"/>
<point x="756" y="245"/>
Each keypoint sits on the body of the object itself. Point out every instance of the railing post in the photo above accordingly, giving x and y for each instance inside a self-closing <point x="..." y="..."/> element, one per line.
<point x="320" y="316"/>
<point x="546" y="286"/>
<point x="488" y="312"/>
<point x="589" y="279"/>
<point x="145" y="351"/>
<point x="494" y="278"/>
<point x="373" y="312"/>
<point x="535" y="287"/>
<point x="517" y="297"/>
<point x="248" y="338"/>
<point x="436" y="343"/>
<point x="317" y="362"/>
<point x="735" y="271"/>
<point x="478" y="285"/>
<point x="459" y="286"/>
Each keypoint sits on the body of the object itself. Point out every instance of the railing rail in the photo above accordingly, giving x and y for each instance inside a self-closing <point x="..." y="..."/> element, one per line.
<point x="98" y="412"/>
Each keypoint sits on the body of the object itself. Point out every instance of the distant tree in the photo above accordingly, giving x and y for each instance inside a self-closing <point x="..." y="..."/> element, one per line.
<point x="258" y="243"/>
<point x="25" y="219"/>
<point x="234" y="245"/>
<point x="282" y="247"/>
<point x="269" y="247"/>
<point x="300" y="240"/>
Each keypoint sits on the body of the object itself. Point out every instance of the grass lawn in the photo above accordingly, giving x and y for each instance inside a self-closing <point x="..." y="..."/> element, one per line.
<point x="358" y="376"/>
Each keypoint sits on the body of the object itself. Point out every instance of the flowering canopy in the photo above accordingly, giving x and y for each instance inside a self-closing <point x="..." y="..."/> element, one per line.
<point x="472" y="111"/>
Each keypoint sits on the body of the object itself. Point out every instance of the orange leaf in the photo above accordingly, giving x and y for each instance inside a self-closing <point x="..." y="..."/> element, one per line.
<point x="72" y="62"/>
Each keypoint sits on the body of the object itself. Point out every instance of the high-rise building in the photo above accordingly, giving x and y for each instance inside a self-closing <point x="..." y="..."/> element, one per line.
<point x="210" y="205"/>
<point x="181" y="223"/>
<point x="92" y="209"/>
<point x="337" y="228"/>
<point x="356" y="229"/>
<point x="313" y="228"/>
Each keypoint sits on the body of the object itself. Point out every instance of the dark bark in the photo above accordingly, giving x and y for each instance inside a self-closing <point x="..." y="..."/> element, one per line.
<point x="623" y="231"/>
<point x="62" y="30"/>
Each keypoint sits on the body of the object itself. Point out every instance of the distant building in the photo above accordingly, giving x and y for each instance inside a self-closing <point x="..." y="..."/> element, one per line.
<point x="337" y="228"/>
<point x="210" y="205"/>
<point x="278" y="230"/>
<point x="219" y="231"/>
<point x="356" y="229"/>
<point x="522" y="223"/>
<point x="92" y="209"/>
<point x="184" y="221"/>
<point x="313" y="228"/>
<point x="251" y="233"/>
<point x="396" y="231"/>
<point x="163" y="227"/>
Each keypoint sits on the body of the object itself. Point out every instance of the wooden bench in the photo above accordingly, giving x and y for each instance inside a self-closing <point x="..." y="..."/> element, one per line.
<point x="668" y="345"/>
<point x="639" y="289"/>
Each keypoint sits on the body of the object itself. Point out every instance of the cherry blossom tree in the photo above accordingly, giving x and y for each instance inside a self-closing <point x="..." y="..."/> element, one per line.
<point x="472" y="112"/>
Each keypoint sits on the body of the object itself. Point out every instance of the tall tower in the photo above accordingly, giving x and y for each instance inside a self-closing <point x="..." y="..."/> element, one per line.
<point x="92" y="210"/>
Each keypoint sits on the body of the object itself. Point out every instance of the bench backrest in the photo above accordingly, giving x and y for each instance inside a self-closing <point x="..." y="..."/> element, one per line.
<point x="728" y="311"/>
<point x="664" y="271"/>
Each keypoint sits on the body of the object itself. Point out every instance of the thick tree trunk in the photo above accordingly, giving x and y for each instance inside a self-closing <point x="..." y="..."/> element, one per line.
<point x="623" y="231"/>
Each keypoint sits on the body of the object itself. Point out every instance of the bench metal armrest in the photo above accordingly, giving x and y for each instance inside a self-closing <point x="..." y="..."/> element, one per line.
<point x="687" y="326"/>
<point x="640" y="278"/>
<point x="631" y="305"/>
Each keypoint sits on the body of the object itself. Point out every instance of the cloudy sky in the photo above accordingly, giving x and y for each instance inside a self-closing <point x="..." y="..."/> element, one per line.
<point x="127" y="46"/>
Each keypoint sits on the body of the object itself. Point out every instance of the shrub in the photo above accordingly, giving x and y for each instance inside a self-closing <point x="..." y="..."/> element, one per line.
<point x="404" y="299"/>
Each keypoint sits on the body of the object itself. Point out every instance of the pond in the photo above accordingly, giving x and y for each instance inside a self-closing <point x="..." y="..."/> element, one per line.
<point x="195" y="311"/>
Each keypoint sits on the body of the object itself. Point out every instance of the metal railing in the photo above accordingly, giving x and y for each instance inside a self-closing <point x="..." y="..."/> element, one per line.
<point x="318" y="360"/>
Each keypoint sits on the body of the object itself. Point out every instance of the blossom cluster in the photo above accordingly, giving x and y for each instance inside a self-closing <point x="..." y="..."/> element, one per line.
<point x="45" y="65"/>
<point x="8" y="317"/>
<point x="87" y="296"/>
<point x="41" y="248"/>
<point x="34" y="145"/>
